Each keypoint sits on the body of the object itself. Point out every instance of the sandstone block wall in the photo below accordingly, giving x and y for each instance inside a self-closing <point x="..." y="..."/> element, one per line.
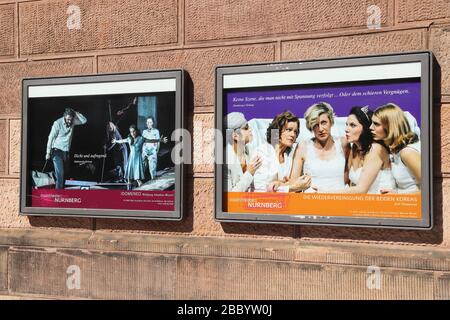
<point x="197" y="35"/>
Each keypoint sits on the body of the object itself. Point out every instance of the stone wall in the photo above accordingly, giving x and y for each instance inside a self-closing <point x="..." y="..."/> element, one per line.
<point x="198" y="35"/>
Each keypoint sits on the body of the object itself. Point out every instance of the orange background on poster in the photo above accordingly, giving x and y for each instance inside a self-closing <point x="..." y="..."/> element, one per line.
<point x="407" y="206"/>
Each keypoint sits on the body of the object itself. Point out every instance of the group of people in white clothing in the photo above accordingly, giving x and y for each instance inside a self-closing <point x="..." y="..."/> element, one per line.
<point x="379" y="153"/>
<point x="143" y="148"/>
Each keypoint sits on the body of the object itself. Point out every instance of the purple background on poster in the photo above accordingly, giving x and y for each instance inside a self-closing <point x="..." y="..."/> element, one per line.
<point x="267" y="104"/>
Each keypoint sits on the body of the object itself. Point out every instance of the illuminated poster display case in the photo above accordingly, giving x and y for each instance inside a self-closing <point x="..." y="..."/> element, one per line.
<point x="101" y="146"/>
<point x="326" y="142"/>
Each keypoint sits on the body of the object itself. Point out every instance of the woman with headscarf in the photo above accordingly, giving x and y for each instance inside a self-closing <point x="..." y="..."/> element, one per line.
<point x="240" y="168"/>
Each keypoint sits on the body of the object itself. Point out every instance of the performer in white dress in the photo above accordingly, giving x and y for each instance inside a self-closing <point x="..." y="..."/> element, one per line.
<point x="390" y="125"/>
<point x="278" y="154"/>
<point x="240" y="167"/>
<point x="323" y="158"/>
<point x="327" y="174"/>
<point x="407" y="181"/>
<point x="368" y="162"/>
<point x="383" y="181"/>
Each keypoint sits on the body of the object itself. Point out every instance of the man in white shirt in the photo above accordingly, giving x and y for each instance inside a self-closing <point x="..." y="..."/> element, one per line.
<point x="59" y="141"/>
<point x="239" y="168"/>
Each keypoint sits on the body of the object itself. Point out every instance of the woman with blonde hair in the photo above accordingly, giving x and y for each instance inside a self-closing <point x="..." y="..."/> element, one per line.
<point x="323" y="157"/>
<point x="389" y="124"/>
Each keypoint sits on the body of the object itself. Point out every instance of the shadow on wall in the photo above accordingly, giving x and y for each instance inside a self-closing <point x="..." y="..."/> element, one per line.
<point x="433" y="236"/>
<point x="184" y="226"/>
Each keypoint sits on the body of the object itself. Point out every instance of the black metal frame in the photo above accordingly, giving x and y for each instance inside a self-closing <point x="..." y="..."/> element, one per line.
<point x="428" y="64"/>
<point x="179" y="75"/>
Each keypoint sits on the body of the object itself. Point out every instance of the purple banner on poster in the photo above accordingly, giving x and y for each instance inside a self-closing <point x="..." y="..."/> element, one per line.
<point x="266" y="104"/>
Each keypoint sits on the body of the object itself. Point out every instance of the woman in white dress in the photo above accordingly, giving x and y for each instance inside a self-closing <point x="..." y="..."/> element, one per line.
<point x="278" y="156"/>
<point x="323" y="158"/>
<point x="240" y="167"/>
<point x="389" y="124"/>
<point x="368" y="161"/>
